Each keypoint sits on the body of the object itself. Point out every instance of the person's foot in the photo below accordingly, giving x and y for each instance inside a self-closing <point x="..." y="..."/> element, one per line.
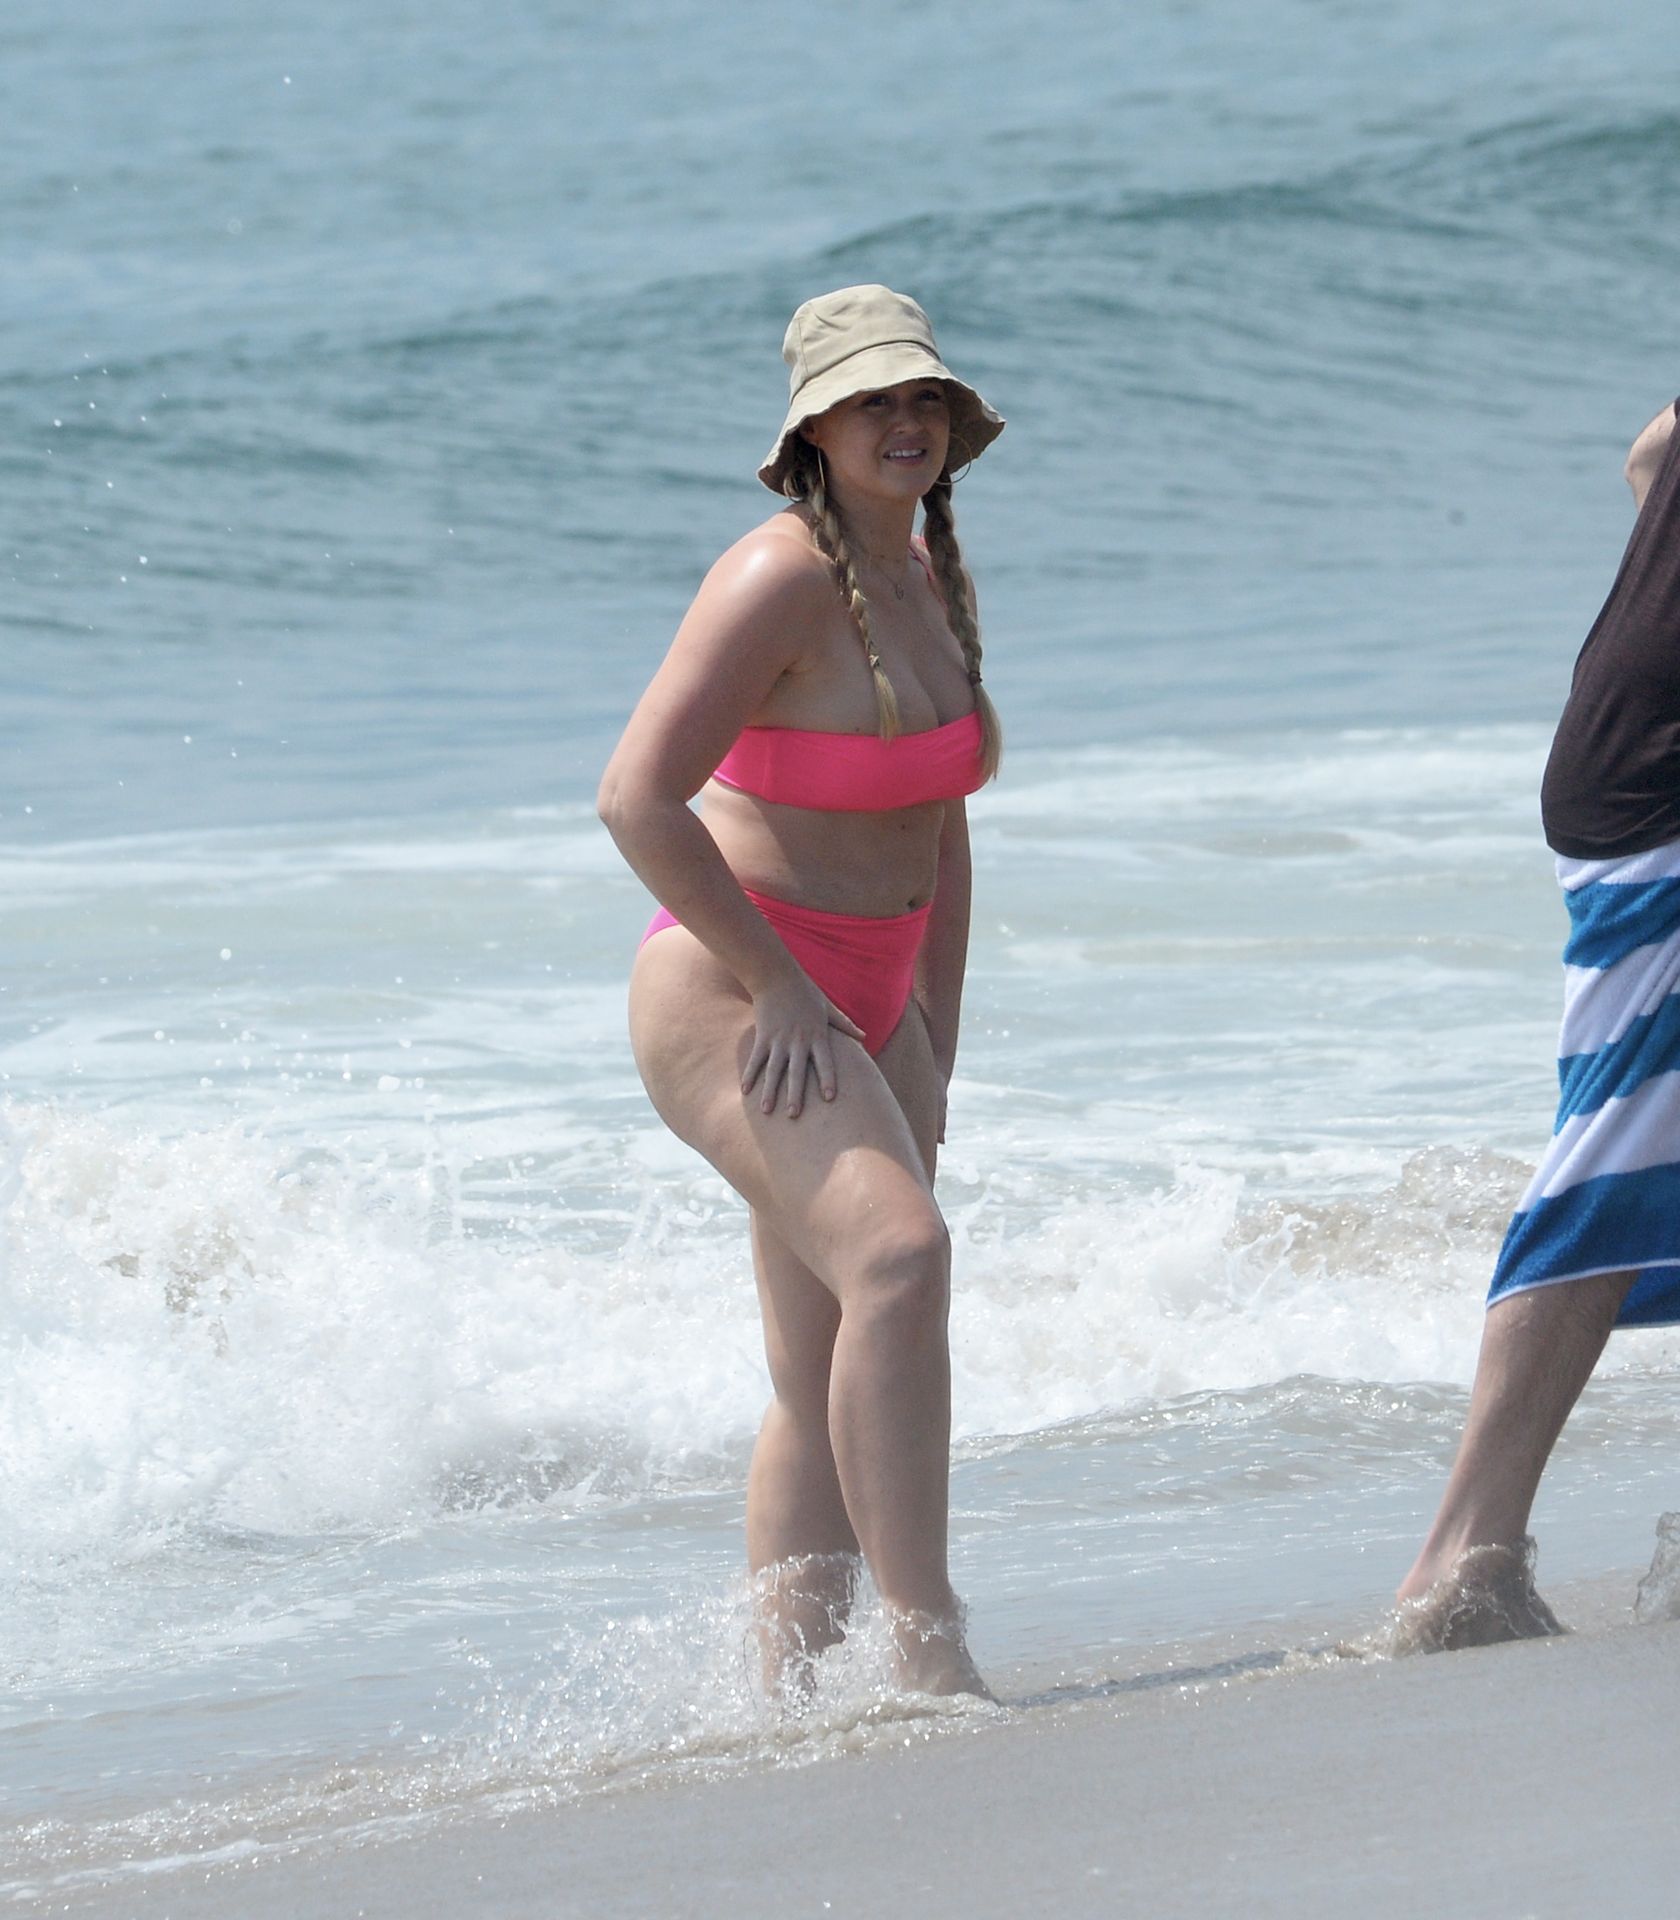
<point x="802" y="1606"/>
<point x="933" y="1657"/>
<point x="1659" y="1591"/>
<point x="1485" y="1597"/>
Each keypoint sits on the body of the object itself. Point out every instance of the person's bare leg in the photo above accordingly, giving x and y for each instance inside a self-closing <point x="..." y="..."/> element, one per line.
<point x="800" y="1543"/>
<point x="928" y="1630"/>
<point x="845" y="1186"/>
<point x="1539" y="1348"/>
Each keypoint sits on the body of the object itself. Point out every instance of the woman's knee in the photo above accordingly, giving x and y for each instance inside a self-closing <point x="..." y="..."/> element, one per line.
<point x="901" y="1270"/>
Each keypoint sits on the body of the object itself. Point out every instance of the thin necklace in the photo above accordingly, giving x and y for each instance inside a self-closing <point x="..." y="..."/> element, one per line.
<point x="898" y="590"/>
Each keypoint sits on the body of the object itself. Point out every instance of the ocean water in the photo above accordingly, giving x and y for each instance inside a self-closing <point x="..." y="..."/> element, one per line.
<point x="377" y="1378"/>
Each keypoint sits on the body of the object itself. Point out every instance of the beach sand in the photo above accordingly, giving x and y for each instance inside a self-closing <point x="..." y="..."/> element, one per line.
<point x="1215" y="1779"/>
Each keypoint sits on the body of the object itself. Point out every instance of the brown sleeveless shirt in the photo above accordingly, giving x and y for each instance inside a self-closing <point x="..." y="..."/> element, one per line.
<point x="1612" y="783"/>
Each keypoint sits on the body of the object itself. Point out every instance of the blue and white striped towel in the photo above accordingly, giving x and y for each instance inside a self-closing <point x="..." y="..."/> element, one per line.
<point x="1606" y="1197"/>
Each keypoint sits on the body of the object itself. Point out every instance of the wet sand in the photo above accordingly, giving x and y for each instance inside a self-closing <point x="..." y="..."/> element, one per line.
<point x="1527" y="1780"/>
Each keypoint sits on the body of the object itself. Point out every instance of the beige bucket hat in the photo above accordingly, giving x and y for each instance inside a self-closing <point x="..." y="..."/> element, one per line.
<point x="858" y="339"/>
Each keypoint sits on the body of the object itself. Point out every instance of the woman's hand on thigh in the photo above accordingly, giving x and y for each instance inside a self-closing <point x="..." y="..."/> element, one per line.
<point x="791" y="1041"/>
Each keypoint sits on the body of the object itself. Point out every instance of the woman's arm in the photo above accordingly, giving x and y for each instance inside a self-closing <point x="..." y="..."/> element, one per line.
<point x="736" y="641"/>
<point x="1645" y="455"/>
<point x="943" y="960"/>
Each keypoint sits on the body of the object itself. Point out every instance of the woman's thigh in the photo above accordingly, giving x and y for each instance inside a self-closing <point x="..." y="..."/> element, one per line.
<point x="846" y="1175"/>
<point x="907" y="1065"/>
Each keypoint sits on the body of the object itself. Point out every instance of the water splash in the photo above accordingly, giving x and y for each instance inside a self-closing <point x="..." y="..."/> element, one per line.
<point x="216" y="1331"/>
<point x="1659" y="1591"/>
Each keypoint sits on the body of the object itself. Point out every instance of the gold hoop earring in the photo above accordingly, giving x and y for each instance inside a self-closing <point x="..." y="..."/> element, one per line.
<point x="967" y="462"/>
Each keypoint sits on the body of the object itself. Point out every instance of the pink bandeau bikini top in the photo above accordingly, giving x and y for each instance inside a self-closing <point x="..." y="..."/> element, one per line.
<point x="855" y="772"/>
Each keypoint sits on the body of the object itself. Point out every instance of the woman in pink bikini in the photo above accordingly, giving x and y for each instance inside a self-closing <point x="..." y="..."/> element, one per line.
<point x="794" y="1005"/>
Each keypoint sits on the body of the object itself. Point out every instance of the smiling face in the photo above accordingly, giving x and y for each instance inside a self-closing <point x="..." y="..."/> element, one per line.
<point x="887" y="443"/>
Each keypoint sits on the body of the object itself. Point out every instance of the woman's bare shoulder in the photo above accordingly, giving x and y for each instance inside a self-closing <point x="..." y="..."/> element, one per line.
<point x="761" y="602"/>
<point x="777" y="561"/>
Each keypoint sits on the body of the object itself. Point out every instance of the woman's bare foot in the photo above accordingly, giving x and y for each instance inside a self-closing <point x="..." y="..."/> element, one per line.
<point x="933" y="1656"/>
<point x="802" y="1606"/>
<point x="1486" y="1596"/>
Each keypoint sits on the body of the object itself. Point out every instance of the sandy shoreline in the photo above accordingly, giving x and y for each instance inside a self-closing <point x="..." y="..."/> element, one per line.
<point x="1526" y="1780"/>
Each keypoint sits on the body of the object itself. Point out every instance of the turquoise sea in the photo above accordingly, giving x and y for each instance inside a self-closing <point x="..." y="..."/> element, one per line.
<point x="376" y="1376"/>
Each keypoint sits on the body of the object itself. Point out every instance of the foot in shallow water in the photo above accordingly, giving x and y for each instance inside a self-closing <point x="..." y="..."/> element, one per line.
<point x="933" y="1656"/>
<point x="1487" y="1597"/>
<point x="802" y="1605"/>
<point x="1659" y="1591"/>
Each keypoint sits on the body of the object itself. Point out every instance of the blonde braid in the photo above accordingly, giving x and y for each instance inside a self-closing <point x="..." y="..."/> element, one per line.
<point x="939" y="530"/>
<point x="807" y="483"/>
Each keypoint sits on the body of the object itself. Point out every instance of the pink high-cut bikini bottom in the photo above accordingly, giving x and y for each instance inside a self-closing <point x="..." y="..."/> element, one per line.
<point x="866" y="966"/>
